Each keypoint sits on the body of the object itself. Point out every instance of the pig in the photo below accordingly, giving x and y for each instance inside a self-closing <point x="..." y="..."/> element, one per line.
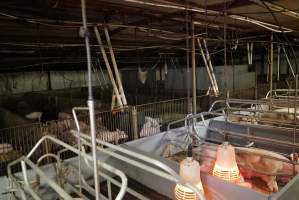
<point x="61" y="129"/>
<point x="251" y="163"/>
<point x="280" y="114"/>
<point x="63" y="115"/>
<point x="36" y="116"/>
<point x="5" y="148"/>
<point x="112" y="136"/>
<point x="150" y="127"/>
<point x="242" y="119"/>
<point x="289" y="112"/>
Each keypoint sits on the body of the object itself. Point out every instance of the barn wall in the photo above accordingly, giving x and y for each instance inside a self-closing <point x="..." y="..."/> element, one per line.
<point x="175" y="79"/>
<point x="9" y="119"/>
<point x="15" y="83"/>
<point x="232" y="78"/>
<point x="283" y="63"/>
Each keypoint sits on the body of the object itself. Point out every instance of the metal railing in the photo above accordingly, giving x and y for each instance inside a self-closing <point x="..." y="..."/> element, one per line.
<point x="17" y="185"/>
<point x="111" y="126"/>
<point x="18" y="141"/>
<point x="24" y="186"/>
<point x="231" y="134"/>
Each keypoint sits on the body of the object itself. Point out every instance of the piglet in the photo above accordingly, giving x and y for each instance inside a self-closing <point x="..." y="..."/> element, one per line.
<point x="63" y="115"/>
<point x="259" y="161"/>
<point x="37" y="116"/>
<point x="5" y="148"/>
<point x="150" y="127"/>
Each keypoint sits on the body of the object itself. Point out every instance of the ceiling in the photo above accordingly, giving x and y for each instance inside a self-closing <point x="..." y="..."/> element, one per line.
<point x="44" y="34"/>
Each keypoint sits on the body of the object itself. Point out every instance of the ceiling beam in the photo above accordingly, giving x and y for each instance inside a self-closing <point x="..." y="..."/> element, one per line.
<point x="197" y="9"/>
<point x="147" y="21"/>
<point x="229" y="5"/>
<point x="282" y="10"/>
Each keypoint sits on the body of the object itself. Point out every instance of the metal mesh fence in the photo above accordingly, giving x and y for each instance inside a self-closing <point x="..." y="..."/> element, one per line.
<point x="18" y="141"/>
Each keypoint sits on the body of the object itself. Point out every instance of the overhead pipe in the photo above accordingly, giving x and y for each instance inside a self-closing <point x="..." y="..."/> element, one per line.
<point x="266" y="25"/>
<point x="280" y="9"/>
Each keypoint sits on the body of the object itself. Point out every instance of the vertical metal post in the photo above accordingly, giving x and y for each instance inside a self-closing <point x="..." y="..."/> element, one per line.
<point x="295" y="127"/>
<point x="193" y="69"/>
<point x="226" y="88"/>
<point x="256" y="86"/>
<point x="189" y="107"/>
<point x="271" y="66"/>
<point x="248" y="53"/>
<point x="224" y="35"/>
<point x="134" y="123"/>
<point x="90" y="101"/>
<point x="278" y="62"/>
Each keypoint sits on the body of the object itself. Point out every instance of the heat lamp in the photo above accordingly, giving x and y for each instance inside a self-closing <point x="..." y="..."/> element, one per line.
<point x="190" y="172"/>
<point x="226" y="167"/>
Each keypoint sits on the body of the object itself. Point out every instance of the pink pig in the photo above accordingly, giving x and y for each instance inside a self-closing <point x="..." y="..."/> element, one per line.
<point x="251" y="162"/>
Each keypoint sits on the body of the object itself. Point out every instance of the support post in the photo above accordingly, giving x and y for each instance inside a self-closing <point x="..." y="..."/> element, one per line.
<point x="189" y="106"/>
<point x="90" y="102"/>
<point x="278" y="62"/>
<point x="210" y="65"/>
<point x="271" y="66"/>
<point x="289" y="62"/>
<point x="193" y="70"/>
<point x="110" y="73"/>
<point x="118" y="80"/>
<point x="135" y="123"/>
<point x="207" y="67"/>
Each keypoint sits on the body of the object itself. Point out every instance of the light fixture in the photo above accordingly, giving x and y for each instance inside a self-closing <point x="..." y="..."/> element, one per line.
<point x="185" y="193"/>
<point x="190" y="172"/>
<point x="226" y="167"/>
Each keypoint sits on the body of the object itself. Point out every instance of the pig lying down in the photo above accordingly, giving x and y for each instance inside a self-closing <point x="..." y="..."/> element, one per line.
<point x="5" y="148"/>
<point x="253" y="163"/>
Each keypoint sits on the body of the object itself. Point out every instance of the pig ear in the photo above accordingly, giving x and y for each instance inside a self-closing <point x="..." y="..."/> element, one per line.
<point x="292" y="157"/>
